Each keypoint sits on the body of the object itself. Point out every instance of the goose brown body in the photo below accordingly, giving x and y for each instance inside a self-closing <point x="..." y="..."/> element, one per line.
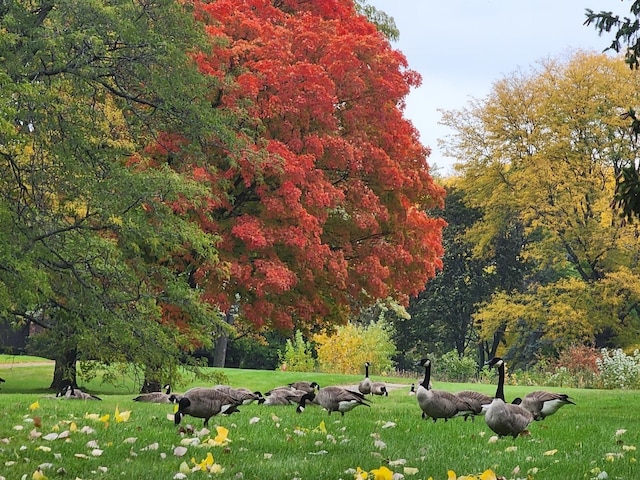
<point x="243" y="395"/>
<point x="334" y="399"/>
<point x="69" y="392"/>
<point x="541" y="404"/>
<point x="365" y="385"/>
<point x="308" y="387"/>
<point x="155" y="397"/>
<point x="202" y="402"/>
<point x="477" y="400"/>
<point x="437" y="404"/>
<point x="284" y="396"/>
<point x="505" y="419"/>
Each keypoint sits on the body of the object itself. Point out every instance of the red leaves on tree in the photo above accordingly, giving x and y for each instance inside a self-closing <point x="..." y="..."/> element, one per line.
<point x="327" y="207"/>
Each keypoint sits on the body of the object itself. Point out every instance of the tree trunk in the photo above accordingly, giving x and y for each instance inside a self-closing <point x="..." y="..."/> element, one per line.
<point x="220" y="348"/>
<point x="64" y="371"/>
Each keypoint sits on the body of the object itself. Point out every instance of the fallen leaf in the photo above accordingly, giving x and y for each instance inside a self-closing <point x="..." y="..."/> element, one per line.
<point x="179" y="451"/>
<point x="410" y="471"/>
<point x="50" y="436"/>
<point x="551" y="452"/>
<point x="253" y="420"/>
<point x="34" y="406"/>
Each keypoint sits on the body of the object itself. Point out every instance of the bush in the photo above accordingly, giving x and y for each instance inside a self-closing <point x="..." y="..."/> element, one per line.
<point x="577" y="366"/>
<point x="297" y="355"/>
<point x="619" y="370"/>
<point x="452" y="368"/>
<point x="351" y="346"/>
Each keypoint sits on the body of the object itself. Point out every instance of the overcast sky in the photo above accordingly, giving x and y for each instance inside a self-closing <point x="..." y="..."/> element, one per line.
<point x="460" y="47"/>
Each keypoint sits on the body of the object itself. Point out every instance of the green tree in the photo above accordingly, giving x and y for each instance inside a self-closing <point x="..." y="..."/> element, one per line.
<point x="88" y="236"/>
<point x="627" y="36"/>
<point x="441" y="315"/>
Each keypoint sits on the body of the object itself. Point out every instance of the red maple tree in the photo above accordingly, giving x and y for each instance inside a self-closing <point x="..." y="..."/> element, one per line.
<point x="322" y="210"/>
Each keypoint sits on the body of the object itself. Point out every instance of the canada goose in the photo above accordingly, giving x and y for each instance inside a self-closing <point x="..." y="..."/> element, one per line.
<point x="243" y="395"/>
<point x="541" y="404"/>
<point x="284" y="396"/>
<point x="308" y="387"/>
<point x="202" y="402"/>
<point x="364" y="387"/>
<point x="479" y="402"/>
<point x="379" y="388"/>
<point x="334" y="399"/>
<point x="155" y="397"/>
<point x="71" y="393"/>
<point x="437" y="404"/>
<point x="505" y="418"/>
<point x="412" y="390"/>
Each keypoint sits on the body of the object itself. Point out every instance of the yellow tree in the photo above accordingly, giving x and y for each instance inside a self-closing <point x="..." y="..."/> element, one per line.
<point x="542" y="150"/>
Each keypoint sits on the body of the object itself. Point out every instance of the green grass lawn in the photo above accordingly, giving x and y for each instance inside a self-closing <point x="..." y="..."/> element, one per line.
<point x="600" y="434"/>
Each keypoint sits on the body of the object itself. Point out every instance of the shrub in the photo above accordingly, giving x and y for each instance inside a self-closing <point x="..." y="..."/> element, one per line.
<point x="619" y="370"/>
<point x="350" y="346"/>
<point x="297" y="355"/>
<point x="452" y="368"/>
<point x="576" y="366"/>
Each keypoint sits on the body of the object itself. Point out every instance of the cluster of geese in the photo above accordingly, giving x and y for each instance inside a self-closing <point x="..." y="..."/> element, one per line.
<point x="505" y="419"/>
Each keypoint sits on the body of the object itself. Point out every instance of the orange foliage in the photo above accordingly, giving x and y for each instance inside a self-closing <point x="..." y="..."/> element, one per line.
<point x="326" y="203"/>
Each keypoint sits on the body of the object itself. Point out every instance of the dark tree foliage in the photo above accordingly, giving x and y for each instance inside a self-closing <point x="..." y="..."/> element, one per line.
<point x="627" y="36"/>
<point x="441" y="314"/>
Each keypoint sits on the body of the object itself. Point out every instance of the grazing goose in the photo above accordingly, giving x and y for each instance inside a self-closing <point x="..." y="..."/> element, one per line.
<point x="309" y="387"/>
<point x="284" y="396"/>
<point x="334" y="399"/>
<point x="505" y="418"/>
<point x="155" y="397"/>
<point x="479" y="402"/>
<point x="437" y="404"/>
<point x="364" y="387"/>
<point x="243" y="395"/>
<point x="71" y="393"/>
<point x="202" y="402"/>
<point x="541" y="404"/>
<point x="379" y="388"/>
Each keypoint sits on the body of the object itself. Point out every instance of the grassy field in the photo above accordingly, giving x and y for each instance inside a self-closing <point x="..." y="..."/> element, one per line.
<point x="596" y="439"/>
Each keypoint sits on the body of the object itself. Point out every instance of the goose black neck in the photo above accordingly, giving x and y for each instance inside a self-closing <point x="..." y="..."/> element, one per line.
<point x="500" y="389"/>
<point x="427" y="375"/>
<point x="366" y="370"/>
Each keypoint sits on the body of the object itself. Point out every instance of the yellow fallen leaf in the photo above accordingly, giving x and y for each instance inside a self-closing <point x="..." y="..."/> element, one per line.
<point x="488" y="475"/>
<point x="34" y="406"/>
<point x="410" y="471"/>
<point x="382" y="473"/>
<point x="38" y="475"/>
<point x="551" y="452"/>
<point x="121" y="416"/>
<point x="361" y="474"/>
<point x="322" y="427"/>
<point x="451" y="475"/>
<point x="221" y="438"/>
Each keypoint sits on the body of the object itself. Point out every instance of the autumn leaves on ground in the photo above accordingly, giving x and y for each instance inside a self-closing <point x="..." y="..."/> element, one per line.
<point x="595" y="439"/>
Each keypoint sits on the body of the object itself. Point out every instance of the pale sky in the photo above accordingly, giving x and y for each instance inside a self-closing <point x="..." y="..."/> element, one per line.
<point x="461" y="47"/>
